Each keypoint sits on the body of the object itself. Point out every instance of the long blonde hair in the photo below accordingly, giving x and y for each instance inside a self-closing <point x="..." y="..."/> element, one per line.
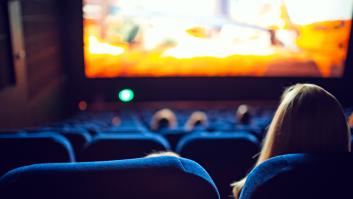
<point x="308" y="120"/>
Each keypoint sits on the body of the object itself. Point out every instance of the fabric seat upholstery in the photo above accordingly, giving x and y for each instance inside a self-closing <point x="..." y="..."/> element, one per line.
<point x="226" y="156"/>
<point x="25" y="149"/>
<point x="123" y="146"/>
<point x="304" y="176"/>
<point x="155" y="177"/>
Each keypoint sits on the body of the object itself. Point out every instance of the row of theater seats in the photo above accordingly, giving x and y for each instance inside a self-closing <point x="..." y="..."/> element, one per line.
<point x="226" y="149"/>
<point x="140" y="120"/>
<point x="152" y="178"/>
<point x="293" y="176"/>
<point x="221" y="154"/>
<point x="208" y="149"/>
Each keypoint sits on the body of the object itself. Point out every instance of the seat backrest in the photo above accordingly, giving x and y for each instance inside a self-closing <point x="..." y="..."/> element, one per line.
<point x="174" y="136"/>
<point x="123" y="146"/>
<point x="304" y="176"/>
<point x="155" y="177"/>
<point x="226" y="156"/>
<point x="77" y="137"/>
<point x="24" y="149"/>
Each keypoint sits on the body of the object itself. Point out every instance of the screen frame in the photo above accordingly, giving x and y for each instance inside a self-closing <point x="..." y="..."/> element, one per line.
<point x="180" y="88"/>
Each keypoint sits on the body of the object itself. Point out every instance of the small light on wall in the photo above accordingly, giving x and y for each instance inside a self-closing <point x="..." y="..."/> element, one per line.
<point x="82" y="105"/>
<point x="126" y="95"/>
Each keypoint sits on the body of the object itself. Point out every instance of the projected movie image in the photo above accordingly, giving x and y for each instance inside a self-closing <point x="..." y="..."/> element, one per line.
<point x="216" y="38"/>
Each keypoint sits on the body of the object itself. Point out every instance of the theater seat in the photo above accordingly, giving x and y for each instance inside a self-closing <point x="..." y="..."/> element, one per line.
<point x="155" y="178"/>
<point x="174" y="136"/>
<point x="25" y="149"/>
<point x="303" y="176"/>
<point x="123" y="146"/>
<point x="226" y="156"/>
<point x="77" y="137"/>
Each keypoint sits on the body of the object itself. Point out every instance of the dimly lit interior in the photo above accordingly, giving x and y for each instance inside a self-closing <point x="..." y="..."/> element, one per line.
<point x="171" y="99"/>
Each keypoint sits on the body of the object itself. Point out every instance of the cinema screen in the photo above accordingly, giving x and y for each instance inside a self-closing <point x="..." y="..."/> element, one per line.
<point x="216" y="38"/>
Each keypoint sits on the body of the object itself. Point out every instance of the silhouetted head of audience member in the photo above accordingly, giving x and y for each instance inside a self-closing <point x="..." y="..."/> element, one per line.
<point x="308" y="120"/>
<point x="163" y="119"/>
<point x="196" y="119"/>
<point x="243" y="115"/>
<point x="162" y="153"/>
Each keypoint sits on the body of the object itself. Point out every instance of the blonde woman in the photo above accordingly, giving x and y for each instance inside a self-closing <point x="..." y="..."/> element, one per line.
<point x="308" y="120"/>
<point x="350" y="120"/>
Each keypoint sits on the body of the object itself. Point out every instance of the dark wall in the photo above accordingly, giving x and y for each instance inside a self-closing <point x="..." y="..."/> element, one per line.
<point x="38" y="95"/>
<point x="42" y="46"/>
<point x="6" y="73"/>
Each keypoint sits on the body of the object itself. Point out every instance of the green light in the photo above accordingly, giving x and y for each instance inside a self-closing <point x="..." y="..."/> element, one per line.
<point x="126" y="95"/>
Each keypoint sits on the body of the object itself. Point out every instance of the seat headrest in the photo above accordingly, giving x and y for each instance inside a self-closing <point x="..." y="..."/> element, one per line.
<point x="301" y="176"/>
<point x="220" y="138"/>
<point x="25" y="149"/>
<point x="155" y="177"/>
<point x="123" y="146"/>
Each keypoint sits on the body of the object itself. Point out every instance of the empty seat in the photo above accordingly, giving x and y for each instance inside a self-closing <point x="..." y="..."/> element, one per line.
<point x="9" y="131"/>
<point x="227" y="157"/>
<point x="124" y="130"/>
<point x="304" y="176"/>
<point x="23" y="149"/>
<point x="78" y="137"/>
<point x="123" y="146"/>
<point x="157" y="178"/>
<point x="255" y="130"/>
<point x="174" y="136"/>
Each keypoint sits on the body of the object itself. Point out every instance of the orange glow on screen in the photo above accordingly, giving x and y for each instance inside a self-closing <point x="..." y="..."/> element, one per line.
<point x="150" y="38"/>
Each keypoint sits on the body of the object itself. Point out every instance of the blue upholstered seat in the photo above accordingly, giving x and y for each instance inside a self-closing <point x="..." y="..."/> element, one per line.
<point x="24" y="149"/>
<point x="157" y="178"/>
<point x="226" y="156"/>
<point x="77" y="137"/>
<point x="174" y="136"/>
<point x="10" y="131"/>
<point x="303" y="176"/>
<point x="123" y="146"/>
